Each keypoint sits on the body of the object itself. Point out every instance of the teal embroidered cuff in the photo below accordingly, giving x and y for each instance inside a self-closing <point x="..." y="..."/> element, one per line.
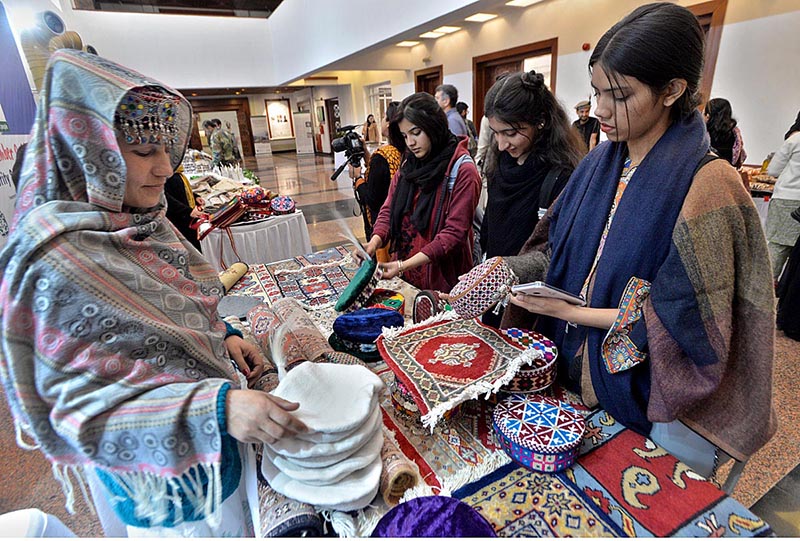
<point x="222" y="418"/>
<point x="230" y="330"/>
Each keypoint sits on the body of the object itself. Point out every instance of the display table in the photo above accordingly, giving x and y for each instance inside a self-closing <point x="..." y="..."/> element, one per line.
<point x="273" y="239"/>
<point x="622" y="485"/>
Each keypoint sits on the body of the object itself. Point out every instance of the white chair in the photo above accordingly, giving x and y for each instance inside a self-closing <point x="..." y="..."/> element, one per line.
<point x="32" y="523"/>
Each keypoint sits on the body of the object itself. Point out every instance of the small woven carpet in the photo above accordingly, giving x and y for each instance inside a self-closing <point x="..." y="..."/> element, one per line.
<point x="622" y="485"/>
<point x="446" y="363"/>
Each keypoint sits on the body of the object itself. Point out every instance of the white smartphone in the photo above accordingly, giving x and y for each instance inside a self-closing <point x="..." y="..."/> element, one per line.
<point x="540" y="289"/>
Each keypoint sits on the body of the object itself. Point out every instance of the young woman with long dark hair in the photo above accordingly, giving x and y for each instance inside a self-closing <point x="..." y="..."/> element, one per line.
<point x="726" y="138"/>
<point x="427" y="217"/>
<point x="676" y="340"/>
<point x="533" y="154"/>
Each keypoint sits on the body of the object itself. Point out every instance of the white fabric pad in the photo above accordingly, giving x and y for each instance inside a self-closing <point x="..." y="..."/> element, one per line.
<point x="333" y="398"/>
<point x="335" y="472"/>
<point x="353" y="492"/>
<point x="323" y="454"/>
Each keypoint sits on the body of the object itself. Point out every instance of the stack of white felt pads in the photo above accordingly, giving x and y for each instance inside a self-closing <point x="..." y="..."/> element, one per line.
<point x="337" y="463"/>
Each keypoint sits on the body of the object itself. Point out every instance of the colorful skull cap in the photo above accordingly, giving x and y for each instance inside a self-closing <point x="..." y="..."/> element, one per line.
<point x="357" y="293"/>
<point x="482" y="287"/>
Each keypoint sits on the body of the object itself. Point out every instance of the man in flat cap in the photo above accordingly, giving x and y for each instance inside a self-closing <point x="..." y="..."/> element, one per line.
<point x="587" y="126"/>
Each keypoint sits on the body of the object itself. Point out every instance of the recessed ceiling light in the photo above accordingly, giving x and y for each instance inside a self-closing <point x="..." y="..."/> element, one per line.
<point x="431" y="35"/>
<point x="481" y="17"/>
<point x="447" y="29"/>
<point x="522" y="3"/>
<point x="407" y="43"/>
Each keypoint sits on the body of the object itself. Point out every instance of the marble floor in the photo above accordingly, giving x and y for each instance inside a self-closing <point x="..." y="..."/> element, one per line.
<point x="771" y="479"/>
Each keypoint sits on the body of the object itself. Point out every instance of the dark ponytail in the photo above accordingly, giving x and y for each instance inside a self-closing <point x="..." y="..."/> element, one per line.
<point x="655" y="44"/>
<point x="523" y="98"/>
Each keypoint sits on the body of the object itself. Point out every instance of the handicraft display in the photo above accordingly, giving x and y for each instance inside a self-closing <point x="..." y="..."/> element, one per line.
<point x="540" y="375"/>
<point x="482" y="287"/>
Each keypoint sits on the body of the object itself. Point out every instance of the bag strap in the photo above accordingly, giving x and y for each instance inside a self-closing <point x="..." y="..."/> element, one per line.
<point x="448" y="187"/>
<point x="708" y="158"/>
<point x="549" y="184"/>
<point x="233" y="245"/>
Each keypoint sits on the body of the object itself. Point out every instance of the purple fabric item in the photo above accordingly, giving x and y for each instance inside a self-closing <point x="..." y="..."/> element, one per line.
<point x="433" y="516"/>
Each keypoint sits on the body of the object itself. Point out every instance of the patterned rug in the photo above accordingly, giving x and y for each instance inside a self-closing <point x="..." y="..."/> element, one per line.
<point x="622" y="485"/>
<point x="445" y="363"/>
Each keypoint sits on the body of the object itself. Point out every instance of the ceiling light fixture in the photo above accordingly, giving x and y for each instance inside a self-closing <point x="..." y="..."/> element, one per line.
<point x="481" y="17"/>
<point x="431" y="35"/>
<point x="407" y="43"/>
<point x="447" y="29"/>
<point x="522" y="3"/>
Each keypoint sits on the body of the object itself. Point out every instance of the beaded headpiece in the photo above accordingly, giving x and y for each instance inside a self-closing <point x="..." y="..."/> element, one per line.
<point x="148" y="115"/>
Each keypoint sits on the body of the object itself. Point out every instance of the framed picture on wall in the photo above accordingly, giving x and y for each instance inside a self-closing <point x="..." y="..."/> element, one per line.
<point x="279" y="119"/>
<point x="320" y="113"/>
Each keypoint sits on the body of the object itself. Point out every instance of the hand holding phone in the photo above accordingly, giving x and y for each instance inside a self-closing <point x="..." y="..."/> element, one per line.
<point x="540" y="289"/>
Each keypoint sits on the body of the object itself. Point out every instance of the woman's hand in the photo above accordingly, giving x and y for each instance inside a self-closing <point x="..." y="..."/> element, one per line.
<point x="391" y="269"/>
<point x="258" y="417"/>
<point x="544" y="305"/>
<point x="246" y="356"/>
<point x="354" y="172"/>
<point x="371" y="247"/>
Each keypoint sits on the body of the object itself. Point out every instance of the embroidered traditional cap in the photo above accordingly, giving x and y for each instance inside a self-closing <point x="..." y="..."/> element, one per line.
<point x="386" y="298"/>
<point x="282" y="204"/>
<point x="540" y="376"/>
<point x="366" y="352"/>
<point x="364" y="326"/>
<point x="254" y="195"/>
<point x="360" y="289"/>
<point x="433" y="516"/>
<point x="539" y="432"/>
<point x="482" y="287"/>
<point x="148" y="115"/>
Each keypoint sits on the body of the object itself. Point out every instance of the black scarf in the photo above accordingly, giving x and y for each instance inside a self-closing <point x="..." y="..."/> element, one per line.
<point x="425" y="175"/>
<point x="513" y="205"/>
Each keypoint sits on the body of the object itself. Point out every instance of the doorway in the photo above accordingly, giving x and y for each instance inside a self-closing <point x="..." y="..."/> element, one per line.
<point x="540" y="56"/>
<point x="711" y="16"/>
<point x="239" y="110"/>
<point x="334" y="118"/>
<point x="428" y="79"/>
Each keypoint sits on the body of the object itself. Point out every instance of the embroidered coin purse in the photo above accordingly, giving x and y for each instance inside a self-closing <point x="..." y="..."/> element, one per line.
<point x="542" y="374"/>
<point x="357" y="293"/>
<point x="282" y="204"/>
<point x="482" y="287"/>
<point x="541" y="433"/>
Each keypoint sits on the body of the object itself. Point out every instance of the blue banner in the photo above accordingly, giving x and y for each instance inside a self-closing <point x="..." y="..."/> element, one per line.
<point x="17" y="106"/>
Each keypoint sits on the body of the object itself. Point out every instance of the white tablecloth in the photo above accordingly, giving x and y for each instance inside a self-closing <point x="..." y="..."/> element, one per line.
<point x="273" y="239"/>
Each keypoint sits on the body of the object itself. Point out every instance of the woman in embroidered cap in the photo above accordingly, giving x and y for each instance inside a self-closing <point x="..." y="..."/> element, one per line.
<point x="114" y="360"/>
<point x="667" y="248"/>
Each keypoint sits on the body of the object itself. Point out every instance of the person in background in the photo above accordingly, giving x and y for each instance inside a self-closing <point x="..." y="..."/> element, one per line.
<point x="114" y="360"/>
<point x="370" y="130"/>
<point x="372" y="188"/>
<point x="676" y="341"/>
<point x="183" y="206"/>
<point x="16" y="169"/>
<point x="587" y="126"/>
<point x="447" y="98"/>
<point x="793" y="128"/>
<point x="726" y="138"/>
<point x="220" y="143"/>
<point x="237" y="154"/>
<point x="783" y="231"/>
<point x="427" y="215"/>
<point x="472" y="132"/>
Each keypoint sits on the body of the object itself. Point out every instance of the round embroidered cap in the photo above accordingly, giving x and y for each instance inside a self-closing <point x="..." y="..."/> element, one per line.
<point x="282" y="204"/>
<point x="482" y="287"/>
<point x="360" y="289"/>
<point x="433" y="516"/>
<point x="386" y="298"/>
<point x="366" y="352"/>
<point x="365" y="325"/>
<point x="539" y="432"/>
<point x="539" y="376"/>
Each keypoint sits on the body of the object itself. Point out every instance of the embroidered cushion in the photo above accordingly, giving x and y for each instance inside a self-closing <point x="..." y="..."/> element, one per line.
<point x="542" y="374"/>
<point x="482" y="287"/>
<point x="538" y="432"/>
<point x="282" y="204"/>
<point x="403" y="402"/>
<point x="364" y="326"/>
<point x="361" y="286"/>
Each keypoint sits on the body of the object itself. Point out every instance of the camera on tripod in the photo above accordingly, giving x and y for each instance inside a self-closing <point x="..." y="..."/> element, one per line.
<point x="352" y="145"/>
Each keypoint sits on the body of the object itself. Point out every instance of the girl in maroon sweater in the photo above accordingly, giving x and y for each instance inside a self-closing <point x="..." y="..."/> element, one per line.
<point x="427" y="221"/>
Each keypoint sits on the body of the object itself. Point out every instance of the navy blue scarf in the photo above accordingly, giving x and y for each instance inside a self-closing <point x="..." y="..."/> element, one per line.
<point x="638" y="243"/>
